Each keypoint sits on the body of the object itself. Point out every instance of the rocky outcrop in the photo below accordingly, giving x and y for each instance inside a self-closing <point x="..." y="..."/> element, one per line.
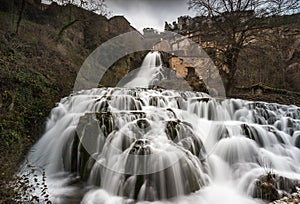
<point x="293" y="198"/>
<point x="271" y="187"/>
<point x="275" y="42"/>
<point x="293" y="76"/>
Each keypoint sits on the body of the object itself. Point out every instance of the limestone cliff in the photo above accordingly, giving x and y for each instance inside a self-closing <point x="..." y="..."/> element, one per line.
<point x="273" y="51"/>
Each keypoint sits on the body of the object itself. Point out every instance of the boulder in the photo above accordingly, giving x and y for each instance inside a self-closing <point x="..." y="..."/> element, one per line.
<point x="271" y="187"/>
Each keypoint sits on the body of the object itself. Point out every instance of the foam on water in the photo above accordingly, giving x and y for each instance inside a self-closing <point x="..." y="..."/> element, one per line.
<point x="124" y="145"/>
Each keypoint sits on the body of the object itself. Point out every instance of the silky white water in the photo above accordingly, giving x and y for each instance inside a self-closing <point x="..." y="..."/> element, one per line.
<point x="137" y="145"/>
<point x="149" y="73"/>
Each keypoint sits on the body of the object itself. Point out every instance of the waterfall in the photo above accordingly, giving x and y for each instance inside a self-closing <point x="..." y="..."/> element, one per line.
<point x="126" y="145"/>
<point x="149" y="73"/>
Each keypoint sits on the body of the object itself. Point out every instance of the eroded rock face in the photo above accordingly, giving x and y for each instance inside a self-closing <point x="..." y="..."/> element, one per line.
<point x="293" y="75"/>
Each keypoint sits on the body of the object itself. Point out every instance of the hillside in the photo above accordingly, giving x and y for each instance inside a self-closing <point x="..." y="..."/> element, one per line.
<point x="38" y="66"/>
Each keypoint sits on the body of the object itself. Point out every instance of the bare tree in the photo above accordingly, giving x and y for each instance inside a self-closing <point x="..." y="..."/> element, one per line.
<point x="283" y="47"/>
<point x="97" y="6"/>
<point x="20" y="16"/>
<point x="237" y="22"/>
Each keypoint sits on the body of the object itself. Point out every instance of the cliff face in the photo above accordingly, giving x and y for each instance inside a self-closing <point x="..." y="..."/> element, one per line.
<point x="271" y="56"/>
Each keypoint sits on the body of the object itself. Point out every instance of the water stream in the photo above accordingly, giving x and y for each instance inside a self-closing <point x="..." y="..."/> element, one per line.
<point x="128" y="145"/>
<point x="149" y="73"/>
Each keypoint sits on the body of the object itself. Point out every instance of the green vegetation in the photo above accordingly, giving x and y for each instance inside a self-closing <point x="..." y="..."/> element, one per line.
<point x="26" y="98"/>
<point x="38" y="66"/>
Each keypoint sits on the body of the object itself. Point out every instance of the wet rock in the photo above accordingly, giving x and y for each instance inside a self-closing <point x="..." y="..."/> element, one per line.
<point x="222" y="133"/>
<point x="271" y="187"/>
<point x="143" y="123"/>
<point x="137" y="155"/>
<point x="105" y="121"/>
<point x="297" y="140"/>
<point x="171" y="130"/>
<point x="251" y="133"/>
<point x="141" y="147"/>
<point x="156" y="100"/>
<point x="89" y="137"/>
<point x="266" y="188"/>
<point x="103" y="105"/>
<point x="293" y="198"/>
<point x="171" y="113"/>
<point x="160" y="184"/>
<point x="182" y="134"/>
<point x="204" y="99"/>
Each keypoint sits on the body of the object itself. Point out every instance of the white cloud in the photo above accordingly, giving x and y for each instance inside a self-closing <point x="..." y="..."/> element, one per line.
<point x="149" y="13"/>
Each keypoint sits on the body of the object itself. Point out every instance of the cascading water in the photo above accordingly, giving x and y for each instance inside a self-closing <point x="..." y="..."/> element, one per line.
<point x="149" y="73"/>
<point x="126" y="145"/>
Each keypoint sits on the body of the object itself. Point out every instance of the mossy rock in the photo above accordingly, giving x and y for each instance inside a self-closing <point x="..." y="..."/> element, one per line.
<point x="271" y="187"/>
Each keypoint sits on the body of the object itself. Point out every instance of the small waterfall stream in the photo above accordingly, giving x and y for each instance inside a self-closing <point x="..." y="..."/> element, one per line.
<point x="127" y="145"/>
<point x="149" y="73"/>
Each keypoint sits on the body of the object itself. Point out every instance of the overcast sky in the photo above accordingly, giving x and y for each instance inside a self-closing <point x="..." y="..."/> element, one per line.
<point x="149" y="13"/>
